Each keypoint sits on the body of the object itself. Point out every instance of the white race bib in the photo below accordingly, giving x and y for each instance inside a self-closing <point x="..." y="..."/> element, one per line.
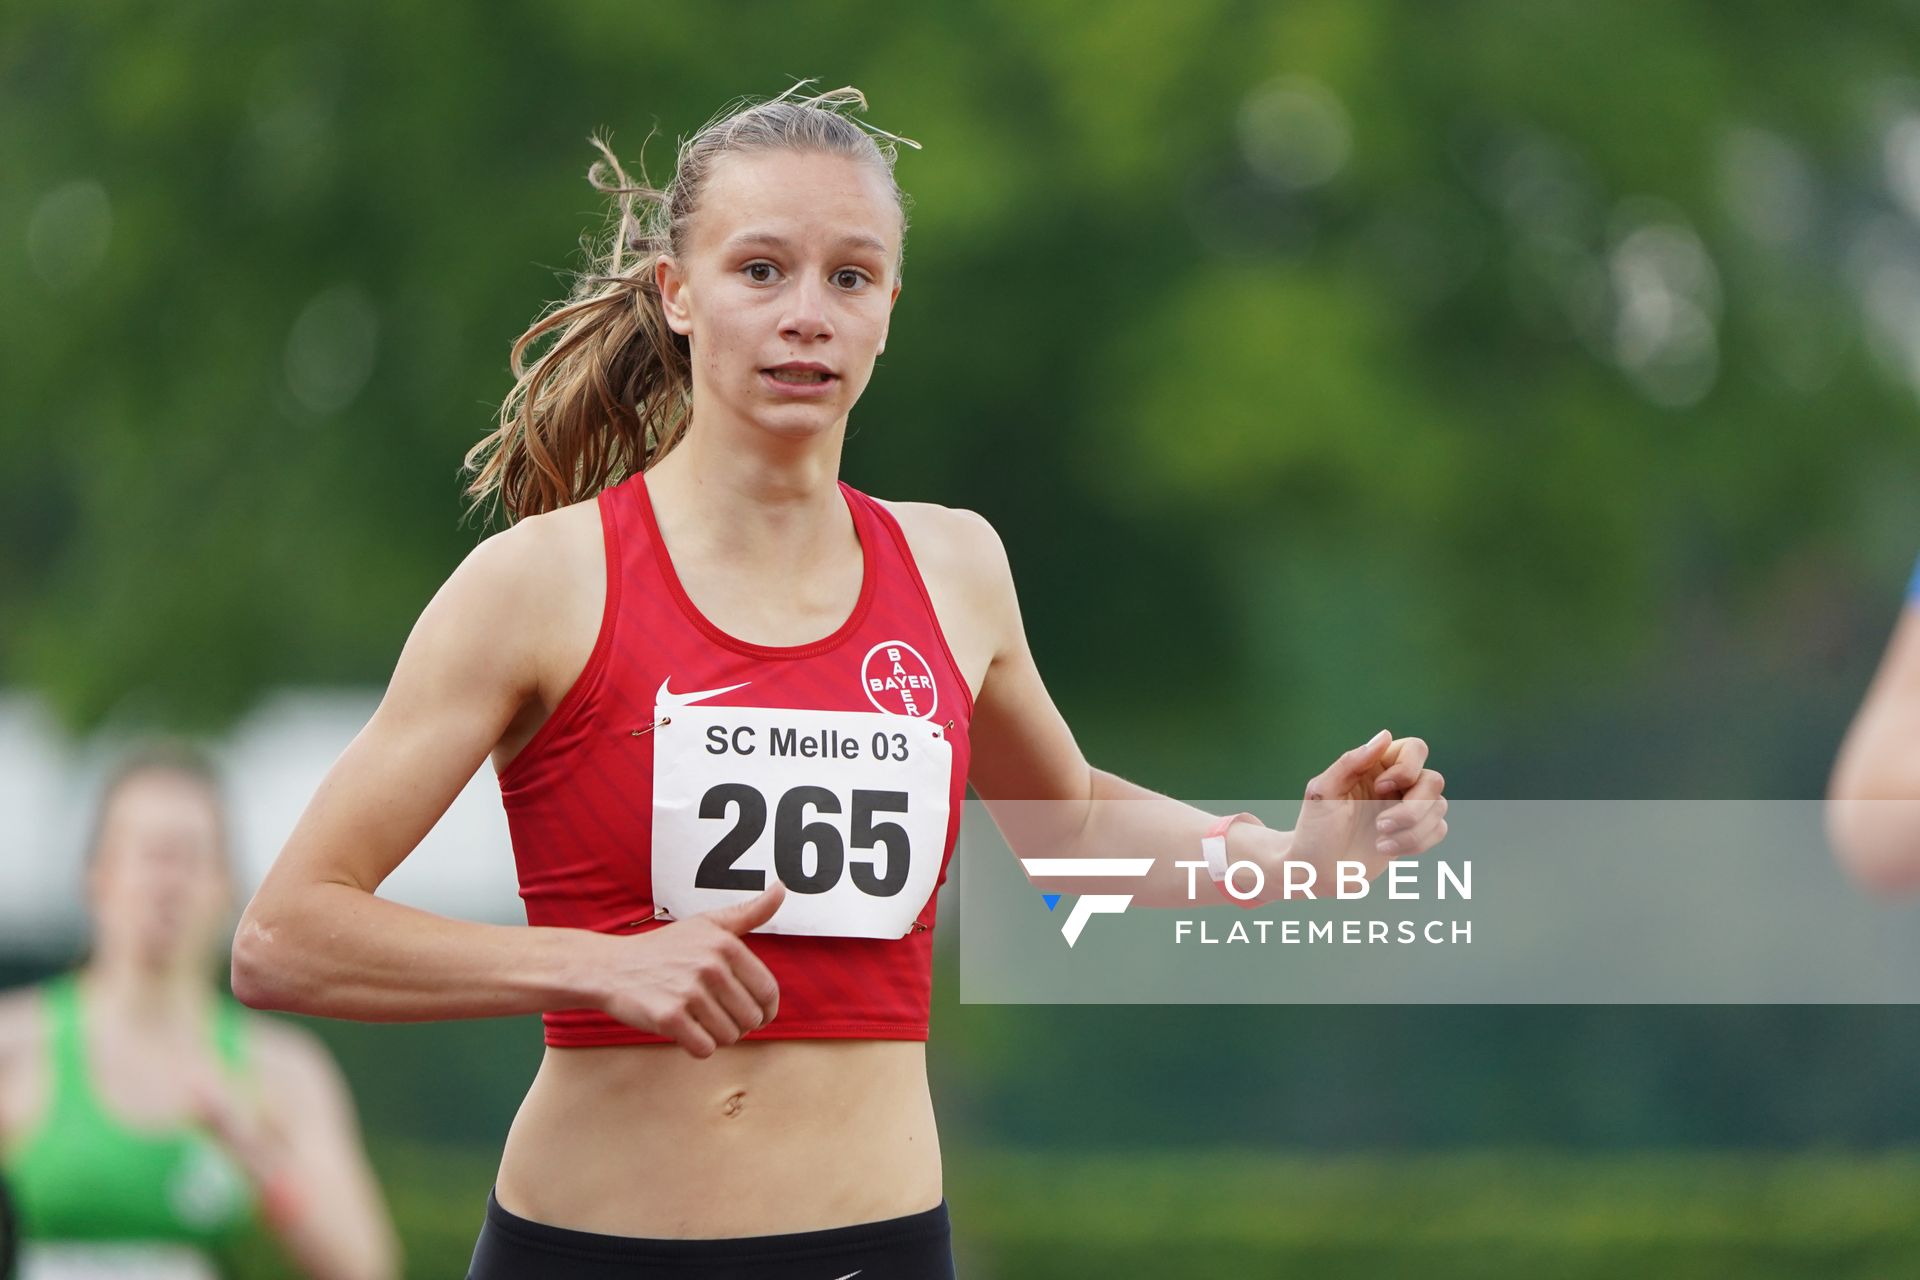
<point x="848" y="808"/>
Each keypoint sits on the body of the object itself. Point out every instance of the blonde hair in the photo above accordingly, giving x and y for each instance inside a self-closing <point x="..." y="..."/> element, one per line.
<point x="612" y="393"/>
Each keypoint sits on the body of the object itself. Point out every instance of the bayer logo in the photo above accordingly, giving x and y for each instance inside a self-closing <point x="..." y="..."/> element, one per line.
<point x="898" y="680"/>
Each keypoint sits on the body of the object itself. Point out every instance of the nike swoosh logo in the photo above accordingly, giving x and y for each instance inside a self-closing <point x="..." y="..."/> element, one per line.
<point x="850" y="1275"/>
<point x="667" y="698"/>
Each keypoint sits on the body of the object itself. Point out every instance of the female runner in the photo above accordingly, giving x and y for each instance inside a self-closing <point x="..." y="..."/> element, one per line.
<point x="145" y="1118"/>
<point x="733" y="704"/>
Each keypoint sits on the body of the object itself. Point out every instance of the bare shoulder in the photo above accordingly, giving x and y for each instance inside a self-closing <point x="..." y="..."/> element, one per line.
<point x="548" y="553"/>
<point x="570" y="530"/>
<point x="959" y="546"/>
<point x="964" y="565"/>
<point x="937" y="520"/>
<point x="523" y="594"/>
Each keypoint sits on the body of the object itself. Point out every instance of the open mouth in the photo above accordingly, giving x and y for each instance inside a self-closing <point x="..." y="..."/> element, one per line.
<point x="799" y="377"/>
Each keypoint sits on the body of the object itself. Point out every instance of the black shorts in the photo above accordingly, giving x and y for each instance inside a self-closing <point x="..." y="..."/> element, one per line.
<point x="918" y="1246"/>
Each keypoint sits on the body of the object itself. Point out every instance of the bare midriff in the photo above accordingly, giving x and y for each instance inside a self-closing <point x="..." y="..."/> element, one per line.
<point x="763" y="1138"/>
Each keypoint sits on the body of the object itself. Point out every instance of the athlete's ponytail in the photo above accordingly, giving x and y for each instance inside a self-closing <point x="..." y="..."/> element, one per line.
<point x="612" y="393"/>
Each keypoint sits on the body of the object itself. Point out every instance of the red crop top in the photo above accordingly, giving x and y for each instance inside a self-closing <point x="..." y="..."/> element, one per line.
<point x="685" y="766"/>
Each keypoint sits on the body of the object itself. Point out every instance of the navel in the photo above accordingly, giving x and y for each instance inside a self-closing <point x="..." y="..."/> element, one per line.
<point x="734" y="1103"/>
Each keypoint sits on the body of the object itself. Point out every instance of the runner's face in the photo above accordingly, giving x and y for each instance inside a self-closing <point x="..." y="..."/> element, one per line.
<point x="791" y="258"/>
<point x="159" y="879"/>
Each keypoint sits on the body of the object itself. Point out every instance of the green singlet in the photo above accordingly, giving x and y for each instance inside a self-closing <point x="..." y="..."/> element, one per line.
<point x="82" y="1178"/>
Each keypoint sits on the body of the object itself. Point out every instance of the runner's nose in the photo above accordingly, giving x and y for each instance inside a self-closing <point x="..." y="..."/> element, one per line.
<point x="806" y="318"/>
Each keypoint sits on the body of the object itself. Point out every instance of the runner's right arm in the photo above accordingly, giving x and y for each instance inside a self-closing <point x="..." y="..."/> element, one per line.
<point x="316" y="939"/>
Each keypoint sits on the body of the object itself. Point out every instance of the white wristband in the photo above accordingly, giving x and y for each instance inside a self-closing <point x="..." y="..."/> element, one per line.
<point x="1213" y="845"/>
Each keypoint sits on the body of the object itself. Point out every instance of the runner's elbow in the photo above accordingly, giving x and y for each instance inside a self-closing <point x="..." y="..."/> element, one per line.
<point x="267" y="969"/>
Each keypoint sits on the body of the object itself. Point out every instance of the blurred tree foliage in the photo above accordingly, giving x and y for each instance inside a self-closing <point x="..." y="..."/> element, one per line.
<point x="1469" y="368"/>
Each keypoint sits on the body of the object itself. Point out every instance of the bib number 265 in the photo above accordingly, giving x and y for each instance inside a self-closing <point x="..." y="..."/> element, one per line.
<point x="809" y="853"/>
<point x="856" y="835"/>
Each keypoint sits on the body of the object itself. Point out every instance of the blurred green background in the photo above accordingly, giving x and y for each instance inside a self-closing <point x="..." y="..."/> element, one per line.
<point x="1535" y="377"/>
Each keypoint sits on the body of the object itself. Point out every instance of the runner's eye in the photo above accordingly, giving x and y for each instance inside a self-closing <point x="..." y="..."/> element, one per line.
<point x="752" y="267"/>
